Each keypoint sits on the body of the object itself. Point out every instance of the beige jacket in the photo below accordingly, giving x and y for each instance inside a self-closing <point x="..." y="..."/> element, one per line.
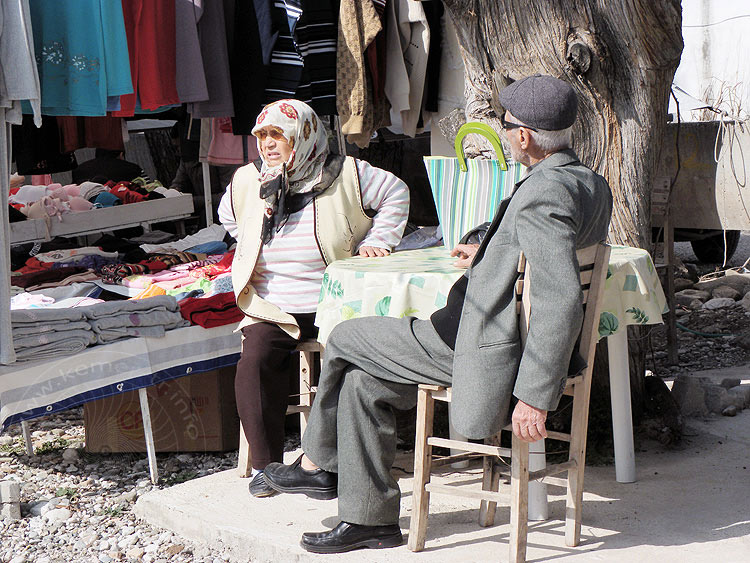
<point x="340" y="224"/>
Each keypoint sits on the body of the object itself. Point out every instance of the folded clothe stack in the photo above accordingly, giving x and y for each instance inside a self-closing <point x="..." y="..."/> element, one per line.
<point x="113" y="320"/>
<point x="48" y="333"/>
<point x="215" y="307"/>
<point x="52" y="275"/>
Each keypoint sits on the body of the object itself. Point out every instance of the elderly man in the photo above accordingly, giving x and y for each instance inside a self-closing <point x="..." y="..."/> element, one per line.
<point x="372" y="365"/>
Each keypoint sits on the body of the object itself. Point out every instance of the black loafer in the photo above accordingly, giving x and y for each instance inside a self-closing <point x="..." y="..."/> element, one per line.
<point x="346" y="537"/>
<point x="317" y="484"/>
<point x="259" y="487"/>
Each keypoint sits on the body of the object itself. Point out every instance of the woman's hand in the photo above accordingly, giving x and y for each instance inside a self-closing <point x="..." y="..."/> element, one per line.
<point x="465" y="253"/>
<point x="373" y="251"/>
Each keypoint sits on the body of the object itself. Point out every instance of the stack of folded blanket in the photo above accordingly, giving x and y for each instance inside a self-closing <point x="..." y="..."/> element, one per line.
<point x="112" y="320"/>
<point x="49" y="332"/>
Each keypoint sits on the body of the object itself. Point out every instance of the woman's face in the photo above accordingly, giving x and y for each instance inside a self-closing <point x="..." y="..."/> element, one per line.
<point x="274" y="147"/>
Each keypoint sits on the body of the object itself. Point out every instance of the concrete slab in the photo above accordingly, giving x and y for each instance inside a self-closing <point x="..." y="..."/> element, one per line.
<point x="688" y="505"/>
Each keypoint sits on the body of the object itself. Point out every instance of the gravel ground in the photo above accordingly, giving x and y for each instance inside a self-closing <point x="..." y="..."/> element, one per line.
<point x="77" y="506"/>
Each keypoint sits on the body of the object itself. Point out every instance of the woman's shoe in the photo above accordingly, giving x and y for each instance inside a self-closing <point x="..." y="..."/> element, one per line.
<point x="259" y="487"/>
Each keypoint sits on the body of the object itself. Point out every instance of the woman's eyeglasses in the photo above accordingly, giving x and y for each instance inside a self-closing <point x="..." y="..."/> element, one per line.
<point x="275" y="134"/>
<point x="507" y="125"/>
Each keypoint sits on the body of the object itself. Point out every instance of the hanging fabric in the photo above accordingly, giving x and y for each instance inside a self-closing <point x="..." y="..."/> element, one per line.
<point x="408" y="43"/>
<point x="150" y="27"/>
<point x="190" y="77"/>
<point x="82" y="55"/>
<point x="212" y="31"/>
<point x="303" y="63"/>
<point x="359" y="24"/>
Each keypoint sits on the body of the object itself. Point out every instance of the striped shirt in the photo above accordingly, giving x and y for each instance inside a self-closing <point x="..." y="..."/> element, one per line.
<point x="289" y="270"/>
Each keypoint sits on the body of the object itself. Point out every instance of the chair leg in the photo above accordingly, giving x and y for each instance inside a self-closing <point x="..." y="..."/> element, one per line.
<point x="305" y="386"/>
<point x="422" y="465"/>
<point x="574" y="498"/>
<point x="519" y="500"/>
<point x="245" y="459"/>
<point x="490" y="482"/>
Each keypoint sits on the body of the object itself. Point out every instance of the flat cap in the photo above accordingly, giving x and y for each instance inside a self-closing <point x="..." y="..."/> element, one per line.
<point x="540" y="101"/>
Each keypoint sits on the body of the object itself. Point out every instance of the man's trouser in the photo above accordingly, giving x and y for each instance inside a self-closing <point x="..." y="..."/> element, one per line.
<point x="371" y="367"/>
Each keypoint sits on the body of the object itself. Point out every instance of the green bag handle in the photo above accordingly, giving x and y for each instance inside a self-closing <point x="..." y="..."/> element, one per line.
<point x="481" y="129"/>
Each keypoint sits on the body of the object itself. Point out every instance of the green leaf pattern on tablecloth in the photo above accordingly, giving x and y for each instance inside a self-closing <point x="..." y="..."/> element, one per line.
<point x="417" y="280"/>
<point x="382" y="306"/>
<point x="639" y="316"/>
<point x="409" y="312"/>
<point x="348" y="312"/>
<point x="608" y="324"/>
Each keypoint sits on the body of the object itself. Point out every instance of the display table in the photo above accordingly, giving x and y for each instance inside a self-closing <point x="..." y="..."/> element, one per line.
<point x="417" y="282"/>
<point x="32" y="389"/>
<point x="97" y="220"/>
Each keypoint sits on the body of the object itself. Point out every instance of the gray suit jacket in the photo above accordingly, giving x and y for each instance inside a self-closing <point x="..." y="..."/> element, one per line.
<point x="560" y="206"/>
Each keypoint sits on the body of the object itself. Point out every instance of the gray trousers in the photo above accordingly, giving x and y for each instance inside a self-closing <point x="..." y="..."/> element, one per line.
<point x="371" y="367"/>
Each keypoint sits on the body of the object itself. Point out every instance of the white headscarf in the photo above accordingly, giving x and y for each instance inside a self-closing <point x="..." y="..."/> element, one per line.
<point x="307" y="138"/>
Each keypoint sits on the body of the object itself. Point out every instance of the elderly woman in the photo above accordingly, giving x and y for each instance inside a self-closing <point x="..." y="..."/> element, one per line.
<point x="293" y="214"/>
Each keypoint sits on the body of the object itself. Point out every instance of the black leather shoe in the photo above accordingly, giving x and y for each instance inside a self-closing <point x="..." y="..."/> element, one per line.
<point x="259" y="488"/>
<point x="346" y="537"/>
<point x="317" y="484"/>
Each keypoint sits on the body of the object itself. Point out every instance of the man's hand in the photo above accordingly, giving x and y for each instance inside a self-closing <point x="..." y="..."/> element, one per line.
<point x="373" y="251"/>
<point x="528" y="422"/>
<point x="465" y="253"/>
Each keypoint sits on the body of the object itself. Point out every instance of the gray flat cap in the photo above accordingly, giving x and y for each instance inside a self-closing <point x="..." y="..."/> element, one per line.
<point x="540" y="101"/>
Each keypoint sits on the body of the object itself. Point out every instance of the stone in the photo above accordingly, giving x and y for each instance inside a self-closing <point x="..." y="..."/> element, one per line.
<point x="694" y="294"/>
<point x="690" y="396"/>
<point x="744" y="391"/>
<point x="682" y="283"/>
<point x="70" y="455"/>
<point x="104" y="558"/>
<point x="57" y="515"/>
<point x="134" y="553"/>
<point x="740" y="282"/>
<point x="18" y="559"/>
<point x="742" y="340"/>
<point x="6" y="440"/>
<point x="718" y="303"/>
<point x="10" y="491"/>
<point x="726" y="291"/>
<point x="745" y="301"/>
<point x="731" y="410"/>
<point x="736" y="399"/>
<point x="35" y="508"/>
<point x="716" y="397"/>
<point x="729" y="382"/>
<point x="695" y="304"/>
<point x="173" y="550"/>
<point x="686" y="297"/>
<point x="128" y="496"/>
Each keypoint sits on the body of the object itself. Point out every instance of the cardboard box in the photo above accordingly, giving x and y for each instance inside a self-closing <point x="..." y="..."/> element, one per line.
<point x="195" y="413"/>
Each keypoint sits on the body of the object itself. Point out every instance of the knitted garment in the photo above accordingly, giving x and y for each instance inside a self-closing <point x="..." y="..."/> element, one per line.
<point x="359" y="23"/>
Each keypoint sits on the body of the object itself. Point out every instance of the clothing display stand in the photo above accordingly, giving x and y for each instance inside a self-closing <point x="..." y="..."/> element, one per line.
<point x="206" y="168"/>
<point x="148" y="434"/>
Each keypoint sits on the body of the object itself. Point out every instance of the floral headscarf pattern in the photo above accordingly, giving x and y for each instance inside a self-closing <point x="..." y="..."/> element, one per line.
<point x="306" y="137"/>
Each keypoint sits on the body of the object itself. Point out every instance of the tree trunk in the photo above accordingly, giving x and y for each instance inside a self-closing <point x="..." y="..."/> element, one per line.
<point x="620" y="57"/>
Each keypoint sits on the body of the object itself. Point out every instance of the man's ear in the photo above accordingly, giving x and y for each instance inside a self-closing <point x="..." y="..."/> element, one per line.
<point x="524" y="138"/>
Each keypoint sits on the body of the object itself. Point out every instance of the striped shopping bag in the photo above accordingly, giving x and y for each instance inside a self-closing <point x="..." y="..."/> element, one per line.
<point x="467" y="192"/>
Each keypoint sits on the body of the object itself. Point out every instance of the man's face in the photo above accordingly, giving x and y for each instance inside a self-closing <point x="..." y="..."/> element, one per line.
<point x="513" y="136"/>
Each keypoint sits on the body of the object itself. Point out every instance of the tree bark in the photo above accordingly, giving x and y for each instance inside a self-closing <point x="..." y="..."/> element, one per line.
<point x="620" y="57"/>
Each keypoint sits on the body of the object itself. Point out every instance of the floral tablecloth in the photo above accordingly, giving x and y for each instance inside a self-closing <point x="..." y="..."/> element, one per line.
<point x="416" y="283"/>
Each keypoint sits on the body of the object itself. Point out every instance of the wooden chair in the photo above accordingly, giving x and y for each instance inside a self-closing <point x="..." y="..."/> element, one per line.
<point x="593" y="263"/>
<point x="307" y="350"/>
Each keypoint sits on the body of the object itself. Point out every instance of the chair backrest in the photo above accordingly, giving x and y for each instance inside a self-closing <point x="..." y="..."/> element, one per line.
<point x="592" y="262"/>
